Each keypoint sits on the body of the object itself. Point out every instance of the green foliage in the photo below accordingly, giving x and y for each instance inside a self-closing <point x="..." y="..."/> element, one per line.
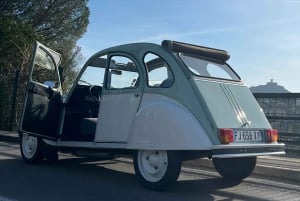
<point x="55" y="23"/>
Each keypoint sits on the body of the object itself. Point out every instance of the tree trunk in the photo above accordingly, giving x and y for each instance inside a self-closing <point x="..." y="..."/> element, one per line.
<point x="13" y="102"/>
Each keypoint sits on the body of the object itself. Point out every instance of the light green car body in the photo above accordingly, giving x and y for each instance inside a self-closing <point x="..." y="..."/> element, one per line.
<point x="186" y="115"/>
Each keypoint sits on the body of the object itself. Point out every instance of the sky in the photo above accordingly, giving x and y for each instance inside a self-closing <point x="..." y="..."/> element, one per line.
<point x="262" y="36"/>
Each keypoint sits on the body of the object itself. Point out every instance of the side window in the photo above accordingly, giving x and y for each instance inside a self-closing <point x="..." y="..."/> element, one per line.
<point x="122" y="73"/>
<point x="44" y="70"/>
<point x="94" y="73"/>
<point x="159" y="73"/>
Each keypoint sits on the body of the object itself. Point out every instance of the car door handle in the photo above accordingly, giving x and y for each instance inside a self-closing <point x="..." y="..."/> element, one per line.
<point x="136" y="95"/>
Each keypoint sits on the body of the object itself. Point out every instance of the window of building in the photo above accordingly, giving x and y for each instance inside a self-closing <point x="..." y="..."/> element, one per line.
<point x="272" y="106"/>
<point x="291" y="126"/>
<point x="292" y="106"/>
<point x="298" y="106"/>
<point x="297" y="126"/>
<point x="283" y="126"/>
<point x="285" y="105"/>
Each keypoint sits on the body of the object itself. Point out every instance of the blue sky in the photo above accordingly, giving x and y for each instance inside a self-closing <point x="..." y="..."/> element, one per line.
<point x="262" y="36"/>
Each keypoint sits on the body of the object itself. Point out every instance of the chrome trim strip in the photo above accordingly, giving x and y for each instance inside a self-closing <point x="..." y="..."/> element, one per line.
<point x="92" y="145"/>
<point x="241" y="111"/>
<point x="246" y="146"/>
<point x="232" y="103"/>
<point x="247" y="155"/>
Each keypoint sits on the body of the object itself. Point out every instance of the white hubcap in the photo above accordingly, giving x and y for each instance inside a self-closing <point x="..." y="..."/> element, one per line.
<point x="29" y="146"/>
<point x="152" y="164"/>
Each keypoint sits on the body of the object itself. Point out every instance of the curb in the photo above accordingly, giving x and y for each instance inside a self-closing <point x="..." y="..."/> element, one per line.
<point x="9" y="137"/>
<point x="277" y="172"/>
<point x="260" y="170"/>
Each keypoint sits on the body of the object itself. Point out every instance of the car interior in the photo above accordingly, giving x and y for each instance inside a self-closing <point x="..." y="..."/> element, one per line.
<point x="81" y="110"/>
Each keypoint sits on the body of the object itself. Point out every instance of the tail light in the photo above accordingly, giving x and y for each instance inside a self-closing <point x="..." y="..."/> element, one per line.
<point x="272" y="135"/>
<point x="226" y="135"/>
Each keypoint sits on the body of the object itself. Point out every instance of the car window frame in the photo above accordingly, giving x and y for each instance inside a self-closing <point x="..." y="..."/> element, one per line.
<point x="147" y="73"/>
<point x="211" y="61"/>
<point x="125" y="90"/>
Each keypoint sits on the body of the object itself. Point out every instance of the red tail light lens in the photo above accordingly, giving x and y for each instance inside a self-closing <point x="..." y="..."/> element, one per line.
<point x="272" y="135"/>
<point x="226" y="135"/>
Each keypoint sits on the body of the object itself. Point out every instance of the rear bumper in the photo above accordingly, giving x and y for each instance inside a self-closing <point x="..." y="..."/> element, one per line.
<point x="231" y="151"/>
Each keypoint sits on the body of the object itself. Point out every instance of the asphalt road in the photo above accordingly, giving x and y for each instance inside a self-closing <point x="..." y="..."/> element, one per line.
<point x="72" y="179"/>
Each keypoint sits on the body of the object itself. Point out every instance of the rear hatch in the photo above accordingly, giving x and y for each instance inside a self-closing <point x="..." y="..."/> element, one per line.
<point x="231" y="105"/>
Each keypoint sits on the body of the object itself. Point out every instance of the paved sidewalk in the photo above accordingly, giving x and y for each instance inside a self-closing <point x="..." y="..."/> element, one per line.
<point x="279" y="167"/>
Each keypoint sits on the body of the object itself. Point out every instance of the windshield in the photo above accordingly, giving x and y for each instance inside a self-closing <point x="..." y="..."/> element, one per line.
<point x="205" y="68"/>
<point x="92" y="76"/>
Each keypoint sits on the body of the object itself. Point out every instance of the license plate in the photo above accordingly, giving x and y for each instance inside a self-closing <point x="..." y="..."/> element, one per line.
<point x="247" y="136"/>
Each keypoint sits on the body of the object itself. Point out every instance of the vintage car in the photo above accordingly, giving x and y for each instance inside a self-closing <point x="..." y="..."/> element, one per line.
<point x="162" y="104"/>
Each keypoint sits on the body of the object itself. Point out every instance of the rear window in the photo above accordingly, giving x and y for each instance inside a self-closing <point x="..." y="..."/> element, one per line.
<point x="206" y="68"/>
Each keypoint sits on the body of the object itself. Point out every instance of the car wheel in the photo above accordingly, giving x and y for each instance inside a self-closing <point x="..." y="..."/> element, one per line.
<point x="234" y="168"/>
<point x="31" y="149"/>
<point x="157" y="170"/>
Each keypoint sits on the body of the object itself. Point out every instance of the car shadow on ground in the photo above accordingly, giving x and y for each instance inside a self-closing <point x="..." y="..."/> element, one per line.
<point x="81" y="179"/>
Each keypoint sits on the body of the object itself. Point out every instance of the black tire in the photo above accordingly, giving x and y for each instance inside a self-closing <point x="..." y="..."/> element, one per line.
<point x="31" y="149"/>
<point x="160" y="176"/>
<point x="235" y="169"/>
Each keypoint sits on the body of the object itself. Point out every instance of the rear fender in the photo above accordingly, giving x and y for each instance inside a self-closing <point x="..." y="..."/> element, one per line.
<point x="161" y="123"/>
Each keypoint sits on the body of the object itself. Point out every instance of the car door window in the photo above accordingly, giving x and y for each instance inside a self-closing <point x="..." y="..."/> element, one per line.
<point x="159" y="73"/>
<point x="44" y="70"/>
<point x="122" y="73"/>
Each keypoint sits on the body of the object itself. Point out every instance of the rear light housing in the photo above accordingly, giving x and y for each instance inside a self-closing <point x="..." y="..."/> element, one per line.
<point x="272" y="135"/>
<point x="226" y="135"/>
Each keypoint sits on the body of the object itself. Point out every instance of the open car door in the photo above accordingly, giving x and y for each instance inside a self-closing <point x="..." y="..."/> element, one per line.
<point x="42" y="104"/>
